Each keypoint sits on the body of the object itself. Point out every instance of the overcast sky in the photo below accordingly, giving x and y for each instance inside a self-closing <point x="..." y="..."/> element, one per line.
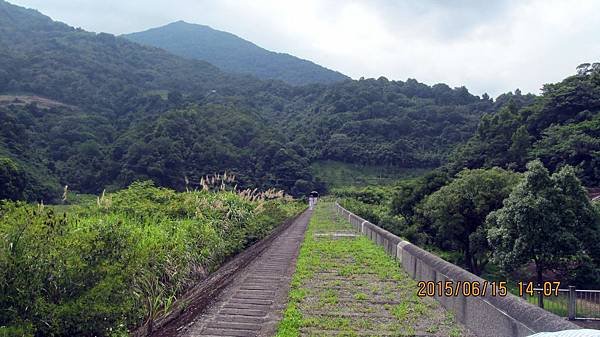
<point x="487" y="46"/>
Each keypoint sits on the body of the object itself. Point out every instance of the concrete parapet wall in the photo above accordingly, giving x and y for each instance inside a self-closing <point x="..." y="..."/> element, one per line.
<point x="486" y="316"/>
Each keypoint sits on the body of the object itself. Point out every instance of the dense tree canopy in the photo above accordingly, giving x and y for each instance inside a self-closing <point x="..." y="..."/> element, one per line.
<point x="455" y="214"/>
<point x="560" y="127"/>
<point x="547" y="220"/>
<point x="382" y="122"/>
<point x="411" y="192"/>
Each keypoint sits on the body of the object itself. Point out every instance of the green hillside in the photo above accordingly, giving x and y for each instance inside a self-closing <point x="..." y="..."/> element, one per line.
<point x="381" y="122"/>
<point x="106" y="128"/>
<point x="561" y="127"/>
<point x="95" y="111"/>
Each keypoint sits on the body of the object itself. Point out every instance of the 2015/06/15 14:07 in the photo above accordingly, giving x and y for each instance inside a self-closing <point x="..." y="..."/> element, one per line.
<point x="476" y="288"/>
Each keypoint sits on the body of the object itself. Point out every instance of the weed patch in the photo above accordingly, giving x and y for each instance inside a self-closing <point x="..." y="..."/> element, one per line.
<point x="348" y="286"/>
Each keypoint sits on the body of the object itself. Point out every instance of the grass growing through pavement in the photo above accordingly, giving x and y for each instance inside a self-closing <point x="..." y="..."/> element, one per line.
<point x="348" y="286"/>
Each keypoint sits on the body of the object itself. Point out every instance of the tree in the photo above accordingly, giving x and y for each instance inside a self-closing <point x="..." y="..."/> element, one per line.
<point x="576" y="144"/>
<point x="12" y="180"/>
<point x="547" y="220"/>
<point x="175" y="97"/>
<point x="521" y="142"/>
<point x="559" y="127"/>
<point x="301" y="187"/>
<point x="410" y="192"/>
<point x="457" y="212"/>
<point x="583" y="69"/>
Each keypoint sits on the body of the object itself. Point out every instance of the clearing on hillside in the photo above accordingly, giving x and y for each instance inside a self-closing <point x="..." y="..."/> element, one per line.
<point x="345" y="285"/>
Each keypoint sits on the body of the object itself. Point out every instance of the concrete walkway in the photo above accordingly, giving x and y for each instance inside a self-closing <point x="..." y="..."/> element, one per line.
<point x="349" y="286"/>
<point x="252" y="305"/>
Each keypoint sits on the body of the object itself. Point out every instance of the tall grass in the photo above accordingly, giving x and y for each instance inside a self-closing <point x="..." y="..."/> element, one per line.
<point x="113" y="264"/>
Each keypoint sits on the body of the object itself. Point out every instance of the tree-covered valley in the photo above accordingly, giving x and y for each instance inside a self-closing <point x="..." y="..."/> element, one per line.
<point x="124" y="112"/>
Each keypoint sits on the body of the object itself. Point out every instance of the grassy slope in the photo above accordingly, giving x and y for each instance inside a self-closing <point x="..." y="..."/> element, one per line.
<point x="337" y="174"/>
<point x="349" y="287"/>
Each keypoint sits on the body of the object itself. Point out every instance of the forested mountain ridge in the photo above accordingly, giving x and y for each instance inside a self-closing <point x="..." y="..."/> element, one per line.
<point x="126" y="112"/>
<point x="108" y="90"/>
<point x="561" y="127"/>
<point x="234" y="54"/>
<point x="382" y="122"/>
<point x="98" y="70"/>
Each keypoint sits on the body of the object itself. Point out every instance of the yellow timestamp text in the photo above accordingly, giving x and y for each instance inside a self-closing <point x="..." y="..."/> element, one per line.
<point x="546" y="288"/>
<point x="461" y="288"/>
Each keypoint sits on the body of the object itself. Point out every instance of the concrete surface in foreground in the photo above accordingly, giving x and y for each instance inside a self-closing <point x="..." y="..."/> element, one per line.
<point x="252" y="305"/>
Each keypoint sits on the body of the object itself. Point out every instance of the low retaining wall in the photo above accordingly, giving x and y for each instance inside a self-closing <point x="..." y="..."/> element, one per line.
<point x="486" y="316"/>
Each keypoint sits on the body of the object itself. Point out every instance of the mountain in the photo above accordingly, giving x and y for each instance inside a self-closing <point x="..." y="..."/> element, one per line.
<point x="234" y="54"/>
<point x="95" y="111"/>
<point x="78" y="67"/>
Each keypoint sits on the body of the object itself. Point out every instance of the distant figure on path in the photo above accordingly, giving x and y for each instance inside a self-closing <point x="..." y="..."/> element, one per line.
<point x="313" y="197"/>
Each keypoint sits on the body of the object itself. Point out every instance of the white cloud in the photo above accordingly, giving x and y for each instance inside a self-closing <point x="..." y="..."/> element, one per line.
<point x="487" y="46"/>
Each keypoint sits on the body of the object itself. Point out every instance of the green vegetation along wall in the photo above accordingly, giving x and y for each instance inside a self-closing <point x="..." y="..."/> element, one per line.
<point x="494" y="222"/>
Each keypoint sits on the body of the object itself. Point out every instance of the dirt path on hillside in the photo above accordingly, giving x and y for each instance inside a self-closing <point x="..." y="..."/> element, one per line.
<point x="253" y="303"/>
